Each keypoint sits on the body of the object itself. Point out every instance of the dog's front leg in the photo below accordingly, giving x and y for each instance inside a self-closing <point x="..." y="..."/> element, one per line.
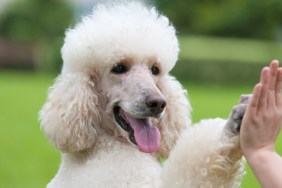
<point x="231" y="130"/>
<point x="208" y="155"/>
<point x="228" y="162"/>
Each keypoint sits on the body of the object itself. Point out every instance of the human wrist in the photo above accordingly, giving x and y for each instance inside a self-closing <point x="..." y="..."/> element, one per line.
<point x="260" y="156"/>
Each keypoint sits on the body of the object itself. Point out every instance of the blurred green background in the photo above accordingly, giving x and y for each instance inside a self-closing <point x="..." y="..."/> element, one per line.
<point x="224" y="45"/>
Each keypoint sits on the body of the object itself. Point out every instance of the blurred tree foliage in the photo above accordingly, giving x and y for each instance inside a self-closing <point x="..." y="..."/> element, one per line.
<point x="40" y="23"/>
<point x="232" y="18"/>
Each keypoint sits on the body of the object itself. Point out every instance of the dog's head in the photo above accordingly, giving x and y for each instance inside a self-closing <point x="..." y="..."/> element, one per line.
<point x="117" y="61"/>
<point x="133" y="101"/>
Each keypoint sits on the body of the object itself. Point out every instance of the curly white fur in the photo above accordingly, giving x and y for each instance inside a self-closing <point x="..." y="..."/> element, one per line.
<point x="130" y="29"/>
<point x="78" y="116"/>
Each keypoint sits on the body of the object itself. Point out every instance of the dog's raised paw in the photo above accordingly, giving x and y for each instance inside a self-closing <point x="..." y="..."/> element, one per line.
<point x="237" y="114"/>
<point x="245" y="99"/>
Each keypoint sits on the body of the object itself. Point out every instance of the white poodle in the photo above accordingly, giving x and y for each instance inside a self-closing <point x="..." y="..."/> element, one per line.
<point x="114" y="110"/>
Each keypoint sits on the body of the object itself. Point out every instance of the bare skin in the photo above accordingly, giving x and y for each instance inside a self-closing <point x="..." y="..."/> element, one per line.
<point x="261" y="125"/>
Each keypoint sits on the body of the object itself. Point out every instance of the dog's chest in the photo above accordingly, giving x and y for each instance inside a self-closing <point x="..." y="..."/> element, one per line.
<point x="116" y="166"/>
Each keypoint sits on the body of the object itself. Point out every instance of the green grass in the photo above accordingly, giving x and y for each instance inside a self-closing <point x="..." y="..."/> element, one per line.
<point x="26" y="157"/>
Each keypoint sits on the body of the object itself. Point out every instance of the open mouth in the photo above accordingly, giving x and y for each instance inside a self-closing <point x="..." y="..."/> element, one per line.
<point x="124" y="125"/>
<point x="140" y="131"/>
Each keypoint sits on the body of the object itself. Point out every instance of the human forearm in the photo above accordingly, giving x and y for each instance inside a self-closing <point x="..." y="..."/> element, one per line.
<point x="266" y="165"/>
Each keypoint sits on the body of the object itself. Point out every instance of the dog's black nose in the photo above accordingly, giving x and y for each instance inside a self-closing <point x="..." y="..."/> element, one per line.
<point x="155" y="103"/>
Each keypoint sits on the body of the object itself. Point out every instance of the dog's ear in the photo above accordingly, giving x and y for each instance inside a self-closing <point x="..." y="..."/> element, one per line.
<point x="70" y="116"/>
<point x="176" y="115"/>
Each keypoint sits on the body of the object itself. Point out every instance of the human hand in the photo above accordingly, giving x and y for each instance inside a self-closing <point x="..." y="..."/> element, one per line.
<point x="262" y="121"/>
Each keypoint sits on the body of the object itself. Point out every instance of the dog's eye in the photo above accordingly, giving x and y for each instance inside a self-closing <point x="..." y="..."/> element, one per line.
<point x="155" y="70"/>
<point x="119" y="69"/>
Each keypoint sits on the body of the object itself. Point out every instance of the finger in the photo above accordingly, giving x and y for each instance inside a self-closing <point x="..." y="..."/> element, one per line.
<point x="272" y="83"/>
<point x="273" y="74"/>
<point x="264" y="76"/>
<point x="264" y="89"/>
<point x="278" y="87"/>
<point x="254" y="102"/>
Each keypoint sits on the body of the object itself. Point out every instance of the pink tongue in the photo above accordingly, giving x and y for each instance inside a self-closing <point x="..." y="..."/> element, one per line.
<point x="147" y="137"/>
